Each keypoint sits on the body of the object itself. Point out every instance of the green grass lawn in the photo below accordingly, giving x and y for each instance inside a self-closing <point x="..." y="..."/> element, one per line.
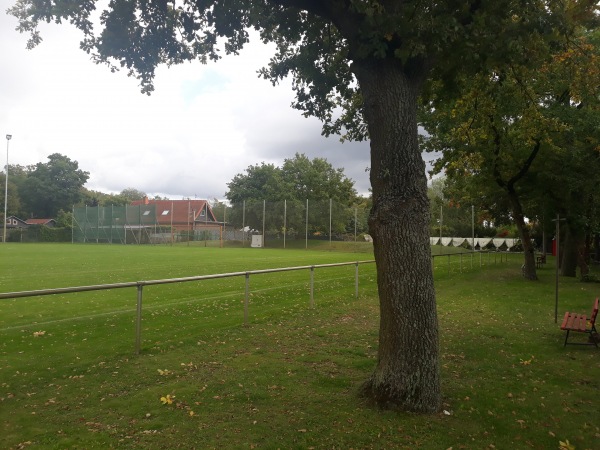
<point x="69" y="377"/>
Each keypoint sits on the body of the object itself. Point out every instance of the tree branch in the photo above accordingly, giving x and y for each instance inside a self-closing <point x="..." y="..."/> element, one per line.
<point x="509" y="185"/>
<point x="495" y="170"/>
<point x="317" y="7"/>
<point x="527" y="165"/>
<point x="337" y="12"/>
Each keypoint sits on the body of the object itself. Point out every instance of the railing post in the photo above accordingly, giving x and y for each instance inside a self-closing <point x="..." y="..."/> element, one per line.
<point x="312" y="286"/>
<point x="246" y="298"/>
<point x="138" y="321"/>
<point x="356" y="281"/>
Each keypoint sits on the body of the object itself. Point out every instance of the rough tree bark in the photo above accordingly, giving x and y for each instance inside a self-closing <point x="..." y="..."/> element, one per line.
<point x="407" y="373"/>
<point x="573" y="255"/>
<point x="568" y="266"/>
<point x="529" y="269"/>
<point x="583" y="258"/>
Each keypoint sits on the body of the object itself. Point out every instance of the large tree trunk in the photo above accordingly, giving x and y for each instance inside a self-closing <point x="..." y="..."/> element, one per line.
<point x="568" y="266"/>
<point x="583" y="257"/>
<point x="407" y="372"/>
<point x="529" y="269"/>
<point x="573" y="253"/>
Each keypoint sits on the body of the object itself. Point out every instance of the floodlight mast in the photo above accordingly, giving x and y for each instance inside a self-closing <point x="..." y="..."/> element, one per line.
<point x="8" y="138"/>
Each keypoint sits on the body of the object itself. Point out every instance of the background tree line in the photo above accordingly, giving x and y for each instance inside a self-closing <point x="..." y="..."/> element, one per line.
<point x="51" y="189"/>
<point x="44" y="190"/>
<point x="280" y="195"/>
<point x="521" y="142"/>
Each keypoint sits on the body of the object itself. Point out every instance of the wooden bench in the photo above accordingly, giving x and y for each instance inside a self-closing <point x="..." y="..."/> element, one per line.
<point x="580" y="323"/>
<point x="541" y="260"/>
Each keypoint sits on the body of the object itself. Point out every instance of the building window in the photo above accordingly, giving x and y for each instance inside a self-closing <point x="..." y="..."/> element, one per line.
<point x="146" y="213"/>
<point x="165" y="212"/>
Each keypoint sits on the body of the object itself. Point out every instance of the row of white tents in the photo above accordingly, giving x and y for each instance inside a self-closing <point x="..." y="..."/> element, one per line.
<point x="479" y="242"/>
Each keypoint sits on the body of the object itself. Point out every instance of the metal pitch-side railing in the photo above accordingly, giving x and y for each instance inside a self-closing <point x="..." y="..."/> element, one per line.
<point x="140" y="287"/>
<point x="469" y="259"/>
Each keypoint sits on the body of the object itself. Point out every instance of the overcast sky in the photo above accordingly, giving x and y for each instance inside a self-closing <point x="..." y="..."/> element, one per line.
<point x="202" y="125"/>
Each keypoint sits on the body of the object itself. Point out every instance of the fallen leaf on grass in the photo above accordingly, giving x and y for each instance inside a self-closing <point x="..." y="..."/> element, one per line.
<point x="566" y="445"/>
<point x="167" y="400"/>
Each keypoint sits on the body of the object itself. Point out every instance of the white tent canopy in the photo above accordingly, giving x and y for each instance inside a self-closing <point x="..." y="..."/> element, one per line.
<point x="479" y="242"/>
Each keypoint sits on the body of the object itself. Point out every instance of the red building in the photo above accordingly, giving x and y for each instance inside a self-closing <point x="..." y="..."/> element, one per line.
<point x="182" y="215"/>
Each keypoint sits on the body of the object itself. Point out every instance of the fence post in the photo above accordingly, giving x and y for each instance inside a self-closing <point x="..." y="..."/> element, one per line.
<point x="246" y="298"/>
<point x="356" y="281"/>
<point x="138" y="322"/>
<point x="312" y="286"/>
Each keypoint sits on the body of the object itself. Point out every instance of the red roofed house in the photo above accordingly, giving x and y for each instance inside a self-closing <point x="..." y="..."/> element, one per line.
<point x="182" y="215"/>
<point x="46" y="222"/>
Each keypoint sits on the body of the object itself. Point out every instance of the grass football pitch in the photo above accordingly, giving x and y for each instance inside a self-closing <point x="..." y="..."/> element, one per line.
<point x="69" y="377"/>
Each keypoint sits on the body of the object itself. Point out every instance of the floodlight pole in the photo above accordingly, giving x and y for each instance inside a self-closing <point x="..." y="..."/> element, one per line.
<point x="8" y="138"/>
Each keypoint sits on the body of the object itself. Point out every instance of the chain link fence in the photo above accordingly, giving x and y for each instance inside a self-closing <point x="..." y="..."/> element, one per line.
<point x="250" y="223"/>
<point x="118" y="224"/>
<point x="292" y="222"/>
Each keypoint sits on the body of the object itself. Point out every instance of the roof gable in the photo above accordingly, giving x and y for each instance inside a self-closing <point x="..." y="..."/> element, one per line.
<point x="179" y="211"/>
<point x="12" y="221"/>
<point x="40" y="221"/>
